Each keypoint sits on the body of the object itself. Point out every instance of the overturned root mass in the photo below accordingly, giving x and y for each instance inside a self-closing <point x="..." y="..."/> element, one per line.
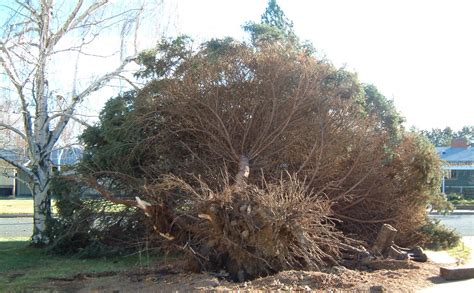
<point x="254" y="231"/>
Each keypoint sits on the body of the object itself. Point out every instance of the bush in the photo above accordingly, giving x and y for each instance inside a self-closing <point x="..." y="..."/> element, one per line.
<point x="90" y="226"/>
<point x="257" y="112"/>
<point x="469" y="196"/>
<point x="438" y="236"/>
<point x="454" y="197"/>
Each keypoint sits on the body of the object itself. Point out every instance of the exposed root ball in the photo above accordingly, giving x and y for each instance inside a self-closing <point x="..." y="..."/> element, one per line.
<point x="253" y="231"/>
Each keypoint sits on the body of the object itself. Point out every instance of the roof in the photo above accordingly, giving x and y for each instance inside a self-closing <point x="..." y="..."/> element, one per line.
<point x="460" y="158"/>
<point x="13" y="155"/>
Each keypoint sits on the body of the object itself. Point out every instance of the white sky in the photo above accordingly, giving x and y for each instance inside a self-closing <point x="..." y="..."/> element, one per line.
<point x="418" y="53"/>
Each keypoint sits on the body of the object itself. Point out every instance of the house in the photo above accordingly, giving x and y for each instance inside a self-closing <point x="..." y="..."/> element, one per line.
<point x="13" y="181"/>
<point x="458" y="164"/>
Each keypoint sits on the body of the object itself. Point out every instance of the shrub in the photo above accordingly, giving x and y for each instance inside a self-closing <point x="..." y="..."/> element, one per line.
<point x="438" y="236"/>
<point x="258" y="112"/>
<point x="89" y="226"/>
<point x="454" y="197"/>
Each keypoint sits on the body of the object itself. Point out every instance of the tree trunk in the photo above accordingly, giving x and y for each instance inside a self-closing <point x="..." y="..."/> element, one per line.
<point x="42" y="206"/>
<point x="384" y="239"/>
<point x="27" y="50"/>
<point x="42" y="213"/>
<point x="244" y="171"/>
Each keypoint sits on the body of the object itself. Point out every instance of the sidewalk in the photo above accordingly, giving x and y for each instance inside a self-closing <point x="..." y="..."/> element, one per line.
<point x="443" y="257"/>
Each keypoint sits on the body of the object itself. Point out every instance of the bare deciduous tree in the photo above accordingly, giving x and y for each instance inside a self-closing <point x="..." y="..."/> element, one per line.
<point x="38" y="36"/>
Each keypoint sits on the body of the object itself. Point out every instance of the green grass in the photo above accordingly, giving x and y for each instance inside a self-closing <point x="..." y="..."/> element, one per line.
<point x="19" y="206"/>
<point x="25" y="206"/>
<point x="23" y="267"/>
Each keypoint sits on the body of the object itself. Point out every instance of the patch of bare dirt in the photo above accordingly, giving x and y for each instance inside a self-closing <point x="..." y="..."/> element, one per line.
<point x="381" y="276"/>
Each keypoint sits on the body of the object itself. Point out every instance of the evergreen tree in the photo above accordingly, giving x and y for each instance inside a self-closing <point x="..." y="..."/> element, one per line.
<point x="274" y="26"/>
<point x="443" y="137"/>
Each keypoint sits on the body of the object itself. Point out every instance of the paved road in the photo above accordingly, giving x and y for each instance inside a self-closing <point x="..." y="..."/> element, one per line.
<point x="23" y="226"/>
<point x="16" y="227"/>
<point x="463" y="223"/>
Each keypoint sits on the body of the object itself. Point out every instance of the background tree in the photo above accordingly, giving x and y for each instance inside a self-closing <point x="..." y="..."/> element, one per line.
<point x="443" y="137"/>
<point x="274" y="26"/>
<point x="36" y="36"/>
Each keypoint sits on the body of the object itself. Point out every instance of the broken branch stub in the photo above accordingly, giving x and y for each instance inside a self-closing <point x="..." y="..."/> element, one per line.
<point x="244" y="171"/>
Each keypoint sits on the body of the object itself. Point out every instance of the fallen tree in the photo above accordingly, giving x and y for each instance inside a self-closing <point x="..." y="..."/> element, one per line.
<point x="256" y="159"/>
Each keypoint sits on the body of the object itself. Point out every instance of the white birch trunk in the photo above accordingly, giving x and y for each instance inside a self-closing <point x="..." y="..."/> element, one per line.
<point x="42" y="202"/>
<point x="42" y="215"/>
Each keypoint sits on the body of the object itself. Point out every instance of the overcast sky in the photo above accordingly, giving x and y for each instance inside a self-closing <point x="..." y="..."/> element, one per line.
<point x="418" y="53"/>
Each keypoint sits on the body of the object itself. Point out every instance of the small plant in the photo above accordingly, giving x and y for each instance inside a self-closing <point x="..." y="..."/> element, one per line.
<point x="439" y="236"/>
<point x="454" y="197"/>
<point x="89" y="227"/>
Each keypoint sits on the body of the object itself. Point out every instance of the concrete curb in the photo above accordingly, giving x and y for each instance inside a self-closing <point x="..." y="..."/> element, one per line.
<point x="454" y="213"/>
<point x="16" y="215"/>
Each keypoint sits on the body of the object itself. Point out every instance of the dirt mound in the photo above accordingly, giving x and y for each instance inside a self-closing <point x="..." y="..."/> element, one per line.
<point x="397" y="276"/>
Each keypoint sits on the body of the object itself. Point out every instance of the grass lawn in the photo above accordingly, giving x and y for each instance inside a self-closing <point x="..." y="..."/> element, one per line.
<point x="25" y="206"/>
<point x="22" y="268"/>
<point x="18" y="206"/>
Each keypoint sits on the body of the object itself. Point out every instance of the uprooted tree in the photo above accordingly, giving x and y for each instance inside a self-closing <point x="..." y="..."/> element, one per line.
<point x="259" y="157"/>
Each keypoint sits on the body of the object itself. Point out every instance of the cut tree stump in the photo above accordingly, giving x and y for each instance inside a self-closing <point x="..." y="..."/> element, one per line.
<point x="452" y="274"/>
<point x="384" y="240"/>
<point x="384" y="246"/>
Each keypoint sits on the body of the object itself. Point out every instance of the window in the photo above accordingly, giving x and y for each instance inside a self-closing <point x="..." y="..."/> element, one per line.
<point x="6" y="191"/>
<point x="454" y="174"/>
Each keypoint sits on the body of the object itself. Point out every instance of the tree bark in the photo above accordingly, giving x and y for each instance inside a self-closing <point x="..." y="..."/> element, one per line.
<point x="42" y="204"/>
<point x="42" y="213"/>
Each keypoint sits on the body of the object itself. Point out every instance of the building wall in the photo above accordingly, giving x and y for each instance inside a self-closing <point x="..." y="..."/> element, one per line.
<point x="10" y="186"/>
<point x="22" y="189"/>
<point x="460" y="181"/>
<point x="6" y="182"/>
